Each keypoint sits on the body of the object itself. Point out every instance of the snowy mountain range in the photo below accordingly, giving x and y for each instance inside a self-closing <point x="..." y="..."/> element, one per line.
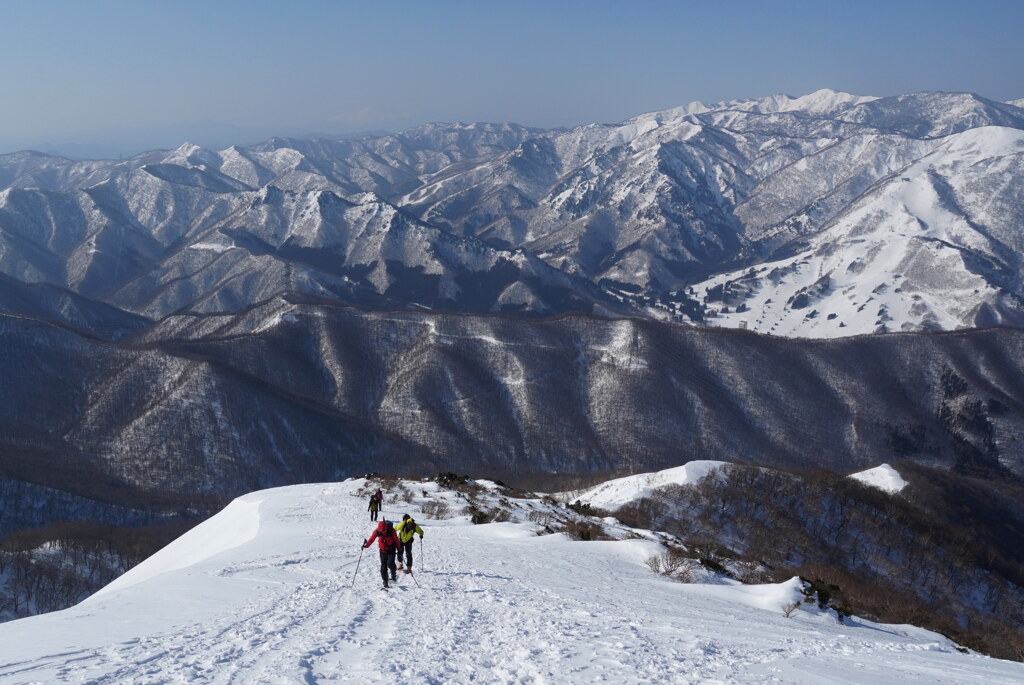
<point x="275" y="589"/>
<point x="820" y="216"/>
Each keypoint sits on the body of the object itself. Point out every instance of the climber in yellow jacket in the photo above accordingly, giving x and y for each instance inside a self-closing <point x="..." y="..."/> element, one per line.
<point x="406" y="530"/>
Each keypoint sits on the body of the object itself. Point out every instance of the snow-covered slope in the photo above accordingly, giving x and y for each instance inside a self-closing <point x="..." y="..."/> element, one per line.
<point x="883" y="477"/>
<point x="932" y="247"/>
<point x="273" y="589"/>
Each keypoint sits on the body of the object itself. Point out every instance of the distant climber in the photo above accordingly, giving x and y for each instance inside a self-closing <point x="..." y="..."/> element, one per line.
<point x="406" y="530"/>
<point x="376" y="501"/>
<point x="387" y="544"/>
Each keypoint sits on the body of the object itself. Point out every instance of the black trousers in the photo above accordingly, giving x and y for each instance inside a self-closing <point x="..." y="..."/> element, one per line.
<point x="373" y="514"/>
<point x="387" y="563"/>
<point x="406" y="549"/>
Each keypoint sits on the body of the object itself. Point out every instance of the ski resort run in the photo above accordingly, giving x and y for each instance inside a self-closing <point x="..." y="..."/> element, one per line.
<point x="274" y="589"/>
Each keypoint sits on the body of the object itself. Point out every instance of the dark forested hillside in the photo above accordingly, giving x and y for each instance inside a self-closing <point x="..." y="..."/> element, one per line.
<point x="321" y="391"/>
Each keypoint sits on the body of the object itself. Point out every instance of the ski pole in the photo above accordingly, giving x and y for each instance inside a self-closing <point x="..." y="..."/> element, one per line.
<point x="421" y="551"/>
<point x="413" y="576"/>
<point x="359" y="561"/>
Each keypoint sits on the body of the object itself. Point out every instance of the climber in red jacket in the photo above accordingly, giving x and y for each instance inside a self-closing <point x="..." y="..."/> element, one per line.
<point x="387" y="544"/>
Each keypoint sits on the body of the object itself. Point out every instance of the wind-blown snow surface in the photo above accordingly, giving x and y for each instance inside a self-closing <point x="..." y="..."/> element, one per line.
<point x="494" y="603"/>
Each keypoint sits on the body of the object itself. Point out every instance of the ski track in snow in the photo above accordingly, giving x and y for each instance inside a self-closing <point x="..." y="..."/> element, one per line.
<point x="495" y="604"/>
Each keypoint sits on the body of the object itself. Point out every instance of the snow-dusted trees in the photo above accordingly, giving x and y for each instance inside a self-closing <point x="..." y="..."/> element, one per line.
<point x="51" y="568"/>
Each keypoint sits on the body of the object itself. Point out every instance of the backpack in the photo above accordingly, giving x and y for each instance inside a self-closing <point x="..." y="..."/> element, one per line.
<point x="373" y="502"/>
<point x="389" y="537"/>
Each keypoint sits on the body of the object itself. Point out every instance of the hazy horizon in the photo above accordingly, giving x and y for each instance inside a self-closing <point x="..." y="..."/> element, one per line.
<point x="118" y="78"/>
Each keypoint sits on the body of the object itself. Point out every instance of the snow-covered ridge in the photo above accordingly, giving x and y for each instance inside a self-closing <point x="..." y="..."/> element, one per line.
<point x="617" y="493"/>
<point x="621" y="491"/>
<point x="236" y="525"/>
<point x="291" y="598"/>
<point x="824" y="101"/>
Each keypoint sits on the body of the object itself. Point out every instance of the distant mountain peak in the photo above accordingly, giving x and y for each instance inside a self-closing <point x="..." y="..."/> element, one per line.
<point x="193" y="155"/>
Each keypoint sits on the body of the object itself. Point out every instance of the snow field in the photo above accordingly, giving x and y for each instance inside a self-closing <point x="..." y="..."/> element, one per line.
<point x="262" y="593"/>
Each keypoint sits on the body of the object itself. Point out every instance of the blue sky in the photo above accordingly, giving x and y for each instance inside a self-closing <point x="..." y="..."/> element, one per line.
<point x="127" y="76"/>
